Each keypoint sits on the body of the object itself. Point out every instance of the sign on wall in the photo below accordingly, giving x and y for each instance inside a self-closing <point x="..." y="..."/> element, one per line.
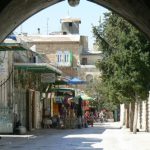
<point x="48" y="77"/>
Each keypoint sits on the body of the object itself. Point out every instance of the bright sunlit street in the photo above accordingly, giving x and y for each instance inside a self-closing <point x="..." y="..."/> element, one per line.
<point x="106" y="136"/>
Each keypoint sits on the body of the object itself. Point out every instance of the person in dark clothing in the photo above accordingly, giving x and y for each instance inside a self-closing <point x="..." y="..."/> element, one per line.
<point x="79" y="112"/>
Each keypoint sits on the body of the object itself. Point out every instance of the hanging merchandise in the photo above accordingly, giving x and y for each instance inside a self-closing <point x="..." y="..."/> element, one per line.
<point x="58" y="99"/>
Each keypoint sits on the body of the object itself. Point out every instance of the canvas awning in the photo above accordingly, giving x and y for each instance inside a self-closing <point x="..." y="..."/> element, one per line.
<point x="12" y="47"/>
<point x="85" y="97"/>
<point x="76" y="81"/>
<point x="68" y="91"/>
<point x="37" y="68"/>
<point x="63" y="89"/>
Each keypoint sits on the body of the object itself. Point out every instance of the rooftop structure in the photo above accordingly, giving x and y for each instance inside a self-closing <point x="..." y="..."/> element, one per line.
<point x="50" y="38"/>
<point x="70" y="25"/>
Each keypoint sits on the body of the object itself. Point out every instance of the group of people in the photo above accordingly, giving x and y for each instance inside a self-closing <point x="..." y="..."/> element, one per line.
<point x="90" y="117"/>
<point x="53" y="122"/>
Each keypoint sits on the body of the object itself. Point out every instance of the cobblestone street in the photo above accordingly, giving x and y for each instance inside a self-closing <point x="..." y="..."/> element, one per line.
<point x="106" y="136"/>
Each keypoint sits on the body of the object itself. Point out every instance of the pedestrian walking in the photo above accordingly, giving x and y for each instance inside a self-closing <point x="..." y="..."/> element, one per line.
<point x="101" y="115"/>
<point x="86" y="116"/>
<point x="92" y="119"/>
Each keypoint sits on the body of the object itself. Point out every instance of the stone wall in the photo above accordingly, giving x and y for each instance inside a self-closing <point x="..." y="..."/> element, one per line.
<point x="148" y="113"/>
<point x="143" y="115"/>
<point x="51" y="48"/>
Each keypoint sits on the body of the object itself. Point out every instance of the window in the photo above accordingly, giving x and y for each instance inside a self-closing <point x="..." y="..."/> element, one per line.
<point x="64" y="33"/>
<point x="70" y="24"/>
<point x="66" y="58"/>
<point x="59" y="56"/>
<point x="84" y="61"/>
<point x="63" y="58"/>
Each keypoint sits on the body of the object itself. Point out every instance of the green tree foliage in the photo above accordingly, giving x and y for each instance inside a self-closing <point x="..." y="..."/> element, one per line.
<point x="126" y="62"/>
<point x="96" y="90"/>
<point x="126" y="59"/>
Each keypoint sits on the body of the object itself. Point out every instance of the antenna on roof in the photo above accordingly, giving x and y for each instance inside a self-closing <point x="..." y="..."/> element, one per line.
<point x="68" y="13"/>
<point x="47" y="25"/>
<point x="38" y="30"/>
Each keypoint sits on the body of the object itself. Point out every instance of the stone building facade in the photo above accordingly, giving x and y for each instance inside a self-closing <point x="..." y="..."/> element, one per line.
<point x="62" y="51"/>
<point x="88" y="68"/>
<point x="63" y="48"/>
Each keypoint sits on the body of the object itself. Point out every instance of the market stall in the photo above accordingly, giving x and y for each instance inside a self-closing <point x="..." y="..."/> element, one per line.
<point x="64" y="107"/>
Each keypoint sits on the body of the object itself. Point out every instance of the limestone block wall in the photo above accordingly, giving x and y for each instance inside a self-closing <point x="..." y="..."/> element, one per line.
<point x="122" y="114"/>
<point x="143" y="126"/>
<point x="20" y="105"/>
<point x="50" y="49"/>
<point x="143" y="115"/>
<point x="3" y="77"/>
<point x="91" y="59"/>
<point x="148" y="113"/>
<point x="38" y="110"/>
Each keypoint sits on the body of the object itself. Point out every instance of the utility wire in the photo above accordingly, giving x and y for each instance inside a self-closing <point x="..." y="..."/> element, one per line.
<point x="7" y="79"/>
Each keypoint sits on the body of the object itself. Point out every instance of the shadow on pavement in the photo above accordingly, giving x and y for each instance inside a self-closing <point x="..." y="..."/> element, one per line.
<point x="56" y="139"/>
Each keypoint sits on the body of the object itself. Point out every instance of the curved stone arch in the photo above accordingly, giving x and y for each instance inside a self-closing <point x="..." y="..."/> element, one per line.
<point x="135" y="12"/>
<point x="14" y="12"/>
<point x="89" y="77"/>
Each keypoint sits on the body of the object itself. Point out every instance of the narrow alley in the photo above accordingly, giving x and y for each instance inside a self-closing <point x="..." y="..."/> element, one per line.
<point x="107" y="136"/>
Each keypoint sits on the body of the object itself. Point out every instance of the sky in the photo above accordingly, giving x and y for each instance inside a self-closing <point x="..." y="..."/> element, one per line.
<point x="49" y="18"/>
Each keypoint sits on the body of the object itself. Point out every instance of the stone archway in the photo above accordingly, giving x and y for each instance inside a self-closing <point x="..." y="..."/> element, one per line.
<point x="14" y="12"/>
<point x="89" y="78"/>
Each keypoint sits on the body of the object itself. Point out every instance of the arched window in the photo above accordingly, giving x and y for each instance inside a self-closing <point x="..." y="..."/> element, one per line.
<point x="63" y="58"/>
<point x="66" y="56"/>
<point x="59" y="56"/>
<point x="89" y="78"/>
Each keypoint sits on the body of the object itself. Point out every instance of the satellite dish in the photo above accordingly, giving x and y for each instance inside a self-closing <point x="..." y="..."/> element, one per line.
<point x="73" y="3"/>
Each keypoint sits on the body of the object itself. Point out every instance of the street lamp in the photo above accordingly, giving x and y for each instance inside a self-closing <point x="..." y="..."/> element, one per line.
<point x="73" y="3"/>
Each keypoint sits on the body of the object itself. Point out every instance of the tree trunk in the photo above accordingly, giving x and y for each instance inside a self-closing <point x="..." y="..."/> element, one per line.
<point x="147" y="126"/>
<point x="135" y="117"/>
<point x="124" y="116"/>
<point x="127" y="115"/>
<point x="131" y="115"/>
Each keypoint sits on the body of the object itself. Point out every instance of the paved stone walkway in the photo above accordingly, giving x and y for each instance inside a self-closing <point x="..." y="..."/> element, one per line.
<point x="106" y="136"/>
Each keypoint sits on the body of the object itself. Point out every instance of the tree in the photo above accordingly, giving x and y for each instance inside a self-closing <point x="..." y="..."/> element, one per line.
<point x="96" y="89"/>
<point x="126" y="61"/>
